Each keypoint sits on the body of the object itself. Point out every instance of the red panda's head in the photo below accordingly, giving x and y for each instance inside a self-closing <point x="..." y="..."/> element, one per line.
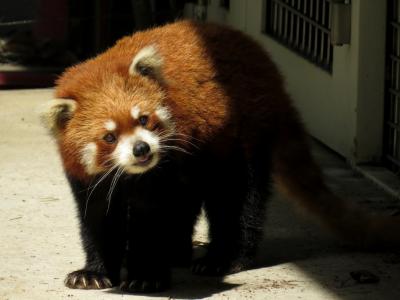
<point x="120" y="122"/>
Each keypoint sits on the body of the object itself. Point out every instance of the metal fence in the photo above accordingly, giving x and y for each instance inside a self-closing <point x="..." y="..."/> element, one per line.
<point x="303" y="26"/>
<point x="392" y="107"/>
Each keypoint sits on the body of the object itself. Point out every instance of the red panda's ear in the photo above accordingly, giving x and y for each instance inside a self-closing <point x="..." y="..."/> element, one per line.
<point x="56" y="113"/>
<point x="147" y="62"/>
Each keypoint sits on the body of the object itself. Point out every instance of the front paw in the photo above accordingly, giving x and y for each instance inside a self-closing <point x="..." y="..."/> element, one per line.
<point x="84" y="279"/>
<point x="145" y="285"/>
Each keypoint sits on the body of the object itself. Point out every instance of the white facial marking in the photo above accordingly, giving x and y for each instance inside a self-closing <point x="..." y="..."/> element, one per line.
<point x="110" y="125"/>
<point x="135" y="112"/>
<point x="123" y="153"/>
<point x="148" y="56"/>
<point x="148" y="137"/>
<point x="163" y="113"/>
<point x="88" y="158"/>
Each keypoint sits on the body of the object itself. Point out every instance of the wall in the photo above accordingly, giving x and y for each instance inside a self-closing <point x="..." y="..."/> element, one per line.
<point x="344" y="109"/>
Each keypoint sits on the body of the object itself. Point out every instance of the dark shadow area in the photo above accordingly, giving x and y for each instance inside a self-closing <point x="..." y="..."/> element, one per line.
<point x="40" y="38"/>
<point x="293" y="238"/>
<point x="289" y="238"/>
<point x="185" y="285"/>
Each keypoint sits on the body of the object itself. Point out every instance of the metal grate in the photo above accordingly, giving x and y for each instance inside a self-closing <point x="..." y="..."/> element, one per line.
<point x="303" y="26"/>
<point x="392" y="109"/>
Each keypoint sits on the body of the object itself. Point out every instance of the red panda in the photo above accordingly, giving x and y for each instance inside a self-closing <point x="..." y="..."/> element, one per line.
<point x="187" y="114"/>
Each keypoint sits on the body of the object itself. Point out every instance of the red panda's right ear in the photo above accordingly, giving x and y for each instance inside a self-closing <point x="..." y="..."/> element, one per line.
<point x="56" y="113"/>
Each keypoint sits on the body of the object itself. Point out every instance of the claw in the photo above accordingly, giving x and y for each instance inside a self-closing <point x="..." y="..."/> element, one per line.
<point x="107" y="282"/>
<point x="74" y="279"/>
<point x="84" y="282"/>
<point x="132" y="284"/>
<point x="123" y="285"/>
<point x="96" y="282"/>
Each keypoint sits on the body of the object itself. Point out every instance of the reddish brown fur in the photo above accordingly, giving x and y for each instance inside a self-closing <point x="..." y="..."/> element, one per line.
<point x="202" y="108"/>
<point x="215" y="100"/>
<point x="110" y="99"/>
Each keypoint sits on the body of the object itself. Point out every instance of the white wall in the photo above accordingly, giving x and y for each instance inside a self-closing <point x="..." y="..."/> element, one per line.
<point x="344" y="109"/>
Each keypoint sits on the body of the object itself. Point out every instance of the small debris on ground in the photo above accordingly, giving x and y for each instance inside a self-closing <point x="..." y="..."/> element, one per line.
<point x="393" y="258"/>
<point x="364" y="277"/>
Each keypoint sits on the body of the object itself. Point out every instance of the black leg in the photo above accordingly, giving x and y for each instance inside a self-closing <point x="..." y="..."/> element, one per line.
<point x="159" y="231"/>
<point x="101" y="238"/>
<point x="235" y="211"/>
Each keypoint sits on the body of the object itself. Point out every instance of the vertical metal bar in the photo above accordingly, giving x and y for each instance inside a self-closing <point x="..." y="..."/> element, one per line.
<point x="309" y="43"/>
<point x="396" y="80"/>
<point x="396" y="76"/>
<point x="285" y="23"/>
<point x="392" y="83"/>
<point x="329" y="47"/>
<point x="279" y="19"/>
<point x="396" y="11"/>
<point x="303" y="42"/>
<point x="316" y="46"/>
<point x="323" y="40"/>
<point x="328" y="14"/>
<point x="274" y="15"/>
<point x="396" y="112"/>
<point x="391" y="106"/>
<point x="298" y="24"/>
<point x="323" y="45"/>
<point x="316" y="31"/>
<point x="291" y="24"/>
<point x="271" y="15"/>
<point x="287" y="18"/>
<point x="310" y="28"/>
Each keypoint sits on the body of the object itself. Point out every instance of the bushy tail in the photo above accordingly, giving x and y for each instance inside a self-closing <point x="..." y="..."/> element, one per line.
<point x="299" y="178"/>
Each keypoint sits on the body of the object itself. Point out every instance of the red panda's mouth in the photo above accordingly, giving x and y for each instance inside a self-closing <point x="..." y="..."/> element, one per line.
<point x="144" y="160"/>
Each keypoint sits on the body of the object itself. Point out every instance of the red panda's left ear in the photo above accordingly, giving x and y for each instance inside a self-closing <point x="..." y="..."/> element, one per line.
<point x="56" y="113"/>
<point x="147" y="62"/>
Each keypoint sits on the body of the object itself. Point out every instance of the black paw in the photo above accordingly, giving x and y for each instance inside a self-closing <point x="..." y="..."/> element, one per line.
<point x="144" y="286"/>
<point x="207" y="266"/>
<point x="84" y="279"/>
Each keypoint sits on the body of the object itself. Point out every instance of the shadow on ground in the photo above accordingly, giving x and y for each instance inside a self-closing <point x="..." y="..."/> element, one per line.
<point x="188" y="286"/>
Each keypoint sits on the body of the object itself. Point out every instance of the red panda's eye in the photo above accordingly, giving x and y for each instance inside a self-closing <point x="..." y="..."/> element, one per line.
<point x="143" y="120"/>
<point x="144" y="70"/>
<point x="110" y="138"/>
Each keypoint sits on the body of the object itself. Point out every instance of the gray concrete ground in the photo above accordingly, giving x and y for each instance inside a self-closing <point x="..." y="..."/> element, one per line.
<point x="40" y="242"/>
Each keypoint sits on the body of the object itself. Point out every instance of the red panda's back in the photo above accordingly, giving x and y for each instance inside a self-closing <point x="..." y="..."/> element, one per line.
<point x="216" y="79"/>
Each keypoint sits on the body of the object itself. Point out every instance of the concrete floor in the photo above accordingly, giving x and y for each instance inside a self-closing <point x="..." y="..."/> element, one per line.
<point x="40" y="243"/>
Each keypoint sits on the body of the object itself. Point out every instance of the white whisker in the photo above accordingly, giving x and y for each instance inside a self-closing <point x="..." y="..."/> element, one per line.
<point x="188" y="137"/>
<point x="176" y="148"/>
<point x="94" y="187"/>
<point x="179" y="140"/>
<point x="114" y="181"/>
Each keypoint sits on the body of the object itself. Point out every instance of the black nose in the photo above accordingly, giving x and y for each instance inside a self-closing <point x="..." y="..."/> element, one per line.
<point x="141" y="149"/>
